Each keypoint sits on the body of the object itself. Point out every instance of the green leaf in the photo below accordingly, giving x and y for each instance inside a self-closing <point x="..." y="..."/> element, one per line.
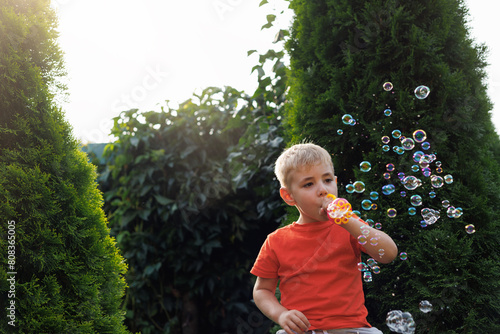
<point x="163" y="200"/>
<point x="270" y="20"/>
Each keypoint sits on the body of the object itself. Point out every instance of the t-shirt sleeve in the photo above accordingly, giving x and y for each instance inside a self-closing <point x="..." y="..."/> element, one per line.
<point x="266" y="265"/>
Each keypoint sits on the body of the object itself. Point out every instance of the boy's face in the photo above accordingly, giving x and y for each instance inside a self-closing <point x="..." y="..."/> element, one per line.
<point x="307" y="190"/>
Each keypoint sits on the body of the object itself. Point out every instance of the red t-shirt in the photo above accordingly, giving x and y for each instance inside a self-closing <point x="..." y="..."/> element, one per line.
<point x="316" y="264"/>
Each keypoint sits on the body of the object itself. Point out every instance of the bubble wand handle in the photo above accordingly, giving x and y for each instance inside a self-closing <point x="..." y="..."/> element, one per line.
<point x="339" y="210"/>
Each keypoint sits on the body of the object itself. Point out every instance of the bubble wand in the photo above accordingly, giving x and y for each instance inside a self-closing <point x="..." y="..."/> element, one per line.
<point x="339" y="210"/>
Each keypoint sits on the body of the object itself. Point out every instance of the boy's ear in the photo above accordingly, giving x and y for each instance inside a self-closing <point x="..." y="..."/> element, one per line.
<point x="287" y="197"/>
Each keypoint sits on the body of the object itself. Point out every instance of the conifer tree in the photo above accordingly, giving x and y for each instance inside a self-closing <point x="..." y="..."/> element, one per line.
<point x="342" y="53"/>
<point x="60" y="272"/>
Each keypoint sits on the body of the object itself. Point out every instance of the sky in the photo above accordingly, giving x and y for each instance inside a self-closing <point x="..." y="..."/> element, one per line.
<point x="123" y="54"/>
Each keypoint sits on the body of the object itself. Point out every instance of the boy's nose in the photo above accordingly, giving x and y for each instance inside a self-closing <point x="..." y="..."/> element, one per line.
<point x="323" y="191"/>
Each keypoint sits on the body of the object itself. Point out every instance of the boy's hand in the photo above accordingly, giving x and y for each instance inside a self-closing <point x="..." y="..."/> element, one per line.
<point x="293" y="321"/>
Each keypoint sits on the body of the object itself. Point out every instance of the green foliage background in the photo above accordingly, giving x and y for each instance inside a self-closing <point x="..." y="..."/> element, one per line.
<point x="190" y="192"/>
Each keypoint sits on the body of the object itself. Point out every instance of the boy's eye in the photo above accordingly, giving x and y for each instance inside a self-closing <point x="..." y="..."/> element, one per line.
<point x="307" y="185"/>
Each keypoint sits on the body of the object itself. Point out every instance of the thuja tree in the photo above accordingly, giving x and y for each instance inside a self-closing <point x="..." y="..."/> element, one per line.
<point x="60" y="272"/>
<point x="342" y="52"/>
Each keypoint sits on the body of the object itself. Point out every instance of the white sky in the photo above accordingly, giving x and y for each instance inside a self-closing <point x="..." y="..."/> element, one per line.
<point x="123" y="54"/>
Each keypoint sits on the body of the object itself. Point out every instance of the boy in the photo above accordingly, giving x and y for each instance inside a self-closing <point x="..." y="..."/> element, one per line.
<point x="314" y="258"/>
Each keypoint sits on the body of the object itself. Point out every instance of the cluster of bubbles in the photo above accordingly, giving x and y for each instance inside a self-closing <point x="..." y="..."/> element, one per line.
<point x="371" y="266"/>
<point x="421" y="167"/>
<point x="425" y="166"/>
<point x="425" y="169"/>
<point x="402" y="322"/>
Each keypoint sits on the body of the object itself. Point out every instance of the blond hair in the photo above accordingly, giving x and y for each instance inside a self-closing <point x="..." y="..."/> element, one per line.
<point x="298" y="156"/>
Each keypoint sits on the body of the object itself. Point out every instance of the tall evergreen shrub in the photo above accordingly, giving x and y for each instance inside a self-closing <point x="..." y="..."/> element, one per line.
<point x="342" y="52"/>
<point x="54" y="240"/>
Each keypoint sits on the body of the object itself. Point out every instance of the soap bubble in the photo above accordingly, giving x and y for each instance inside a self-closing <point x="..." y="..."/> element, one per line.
<point x="362" y="240"/>
<point x="470" y="229"/>
<point x="376" y="269"/>
<point x="387" y="176"/>
<point x="438" y="163"/>
<point x="430" y="215"/>
<point x="388" y="86"/>
<point x="400" y="322"/>
<point x="359" y="186"/>
<point x="349" y="188"/>
<point x="450" y="212"/>
<point x="389" y="167"/>
<point x="386" y="139"/>
<point x="417" y="156"/>
<point x="403" y="256"/>
<point x="425" y="145"/>
<point x="425" y="306"/>
<point x="416" y="200"/>
<point x="365" y="230"/>
<point x="426" y="171"/>
<point x="453" y="212"/>
<point x="421" y="92"/>
<point x="340" y="132"/>
<point x="362" y="266"/>
<point x="401" y="176"/>
<point x="412" y="211"/>
<point x="366" y="204"/>
<point x="347" y="119"/>
<point x="367" y="276"/>
<point x="403" y="193"/>
<point x="391" y="212"/>
<point x="419" y="136"/>
<point x="388" y="112"/>
<point x="388" y="189"/>
<point x="415" y="168"/>
<point x="399" y="150"/>
<point x="432" y="194"/>
<point x="436" y="181"/>
<point x="396" y="134"/>
<point x="408" y="144"/>
<point x="378" y="226"/>
<point x="365" y="166"/>
<point x="374" y="195"/>
<point x="412" y="183"/>
<point x="374" y="241"/>
<point x="448" y="179"/>
<point x="425" y="160"/>
<point x="445" y="203"/>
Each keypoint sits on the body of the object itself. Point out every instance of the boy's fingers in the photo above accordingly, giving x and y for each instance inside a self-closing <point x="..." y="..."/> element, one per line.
<point x="301" y="324"/>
